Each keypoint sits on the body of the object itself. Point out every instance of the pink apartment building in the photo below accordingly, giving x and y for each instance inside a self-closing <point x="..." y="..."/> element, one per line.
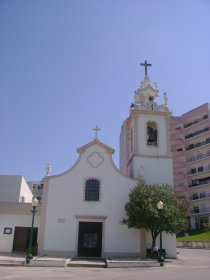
<point x="190" y="147"/>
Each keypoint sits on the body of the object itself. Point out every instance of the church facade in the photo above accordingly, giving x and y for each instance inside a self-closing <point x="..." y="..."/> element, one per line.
<point x="83" y="208"/>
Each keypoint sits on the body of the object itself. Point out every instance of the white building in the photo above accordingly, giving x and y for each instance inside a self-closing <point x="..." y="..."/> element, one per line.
<point x="36" y="188"/>
<point x="15" y="214"/>
<point x="13" y="188"/>
<point x="82" y="209"/>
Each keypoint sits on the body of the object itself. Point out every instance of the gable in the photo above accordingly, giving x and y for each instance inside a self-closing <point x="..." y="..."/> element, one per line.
<point x="95" y="142"/>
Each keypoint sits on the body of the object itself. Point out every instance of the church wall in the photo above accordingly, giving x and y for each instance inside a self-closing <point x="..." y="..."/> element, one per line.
<point x="119" y="240"/>
<point x="156" y="170"/>
<point x="123" y="147"/>
<point x="66" y="207"/>
<point x="168" y="243"/>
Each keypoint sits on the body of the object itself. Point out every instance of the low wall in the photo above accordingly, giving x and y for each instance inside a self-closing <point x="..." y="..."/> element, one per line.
<point x="193" y="244"/>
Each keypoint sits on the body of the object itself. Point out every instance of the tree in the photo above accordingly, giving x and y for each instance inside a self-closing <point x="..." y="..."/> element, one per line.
<point x="142" y="210"/>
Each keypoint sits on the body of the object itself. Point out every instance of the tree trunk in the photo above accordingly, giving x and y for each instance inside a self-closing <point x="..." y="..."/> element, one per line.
<point x="154" y="237"/>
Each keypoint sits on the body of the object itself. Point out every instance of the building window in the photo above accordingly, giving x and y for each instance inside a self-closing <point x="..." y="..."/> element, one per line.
<point x="199" y="156"/>
<point x="40" y="187"/>
<point x="202" y="195"/>
<point x="152" y="133"/>
<point x="195" y="196"/>
<point x="195" y="183"/>
<point x="92" y="190"/>
<point x="196" y="209"/>
<point x="200" y="168"/>
<point x="193" y="170"/>
<point x="207" y="140"/>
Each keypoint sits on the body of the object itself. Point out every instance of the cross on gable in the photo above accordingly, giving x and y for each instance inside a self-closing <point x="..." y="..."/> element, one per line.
<point x="145" y="64"/>
<point x="96" y="129"/>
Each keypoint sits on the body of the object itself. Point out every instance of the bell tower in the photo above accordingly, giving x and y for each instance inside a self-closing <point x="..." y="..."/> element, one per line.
<point x="145" y="140"/>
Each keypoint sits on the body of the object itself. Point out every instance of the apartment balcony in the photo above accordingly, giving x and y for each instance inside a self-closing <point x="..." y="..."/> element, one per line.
<point x="196" y="122"/>
<point x="196" y="133"/>
<point x="198" y="144"/>
<point x="199" y="170"/>
<point x="200" y="182"/>
<point x="199" y="156"/>
<point x="201" y="196"/>
<point x="200" y="211"/>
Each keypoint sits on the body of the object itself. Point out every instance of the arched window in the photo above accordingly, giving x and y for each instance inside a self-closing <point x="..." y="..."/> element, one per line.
<point x="152" y="133"/>
<point x="92" y="190"/>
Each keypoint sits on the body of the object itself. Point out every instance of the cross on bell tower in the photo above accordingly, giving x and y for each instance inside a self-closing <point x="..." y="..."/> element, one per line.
<point x="145" y="64"/>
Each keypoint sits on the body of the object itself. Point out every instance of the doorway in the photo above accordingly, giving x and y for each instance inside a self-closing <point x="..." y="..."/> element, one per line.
<point x="22" y="237"/>
<point x="90" y="239"/>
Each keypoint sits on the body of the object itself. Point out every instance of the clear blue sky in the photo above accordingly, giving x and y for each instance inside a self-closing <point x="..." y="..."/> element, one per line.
<point x="67" y="65"/>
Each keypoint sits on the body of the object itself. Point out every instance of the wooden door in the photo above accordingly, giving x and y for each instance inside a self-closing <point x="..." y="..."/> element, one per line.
<point x="90" y="239"/>
<point x="22" y="237"/>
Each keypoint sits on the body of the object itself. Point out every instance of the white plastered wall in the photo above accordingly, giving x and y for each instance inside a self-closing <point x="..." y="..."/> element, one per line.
<point x="168" y="243"/>
<point x="25" y="191"/>
<point x="13" y="188"/>
<point x="156" y="170"/>
<point x="11" y="221"/>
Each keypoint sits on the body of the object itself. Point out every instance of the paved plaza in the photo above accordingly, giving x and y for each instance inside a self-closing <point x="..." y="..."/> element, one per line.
<point x="193" y="264"/>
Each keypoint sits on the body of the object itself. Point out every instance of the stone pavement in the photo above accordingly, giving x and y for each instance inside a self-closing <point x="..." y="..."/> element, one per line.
<point x="15" y="259"/>
<point x="191" y="264"/>
<point x="12" y="259"/>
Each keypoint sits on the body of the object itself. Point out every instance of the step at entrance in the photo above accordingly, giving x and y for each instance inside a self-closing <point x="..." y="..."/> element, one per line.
<point x="87" y="262"/>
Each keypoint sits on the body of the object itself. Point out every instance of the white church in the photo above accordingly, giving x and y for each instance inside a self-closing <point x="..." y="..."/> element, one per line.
<point x="82" y="209"/>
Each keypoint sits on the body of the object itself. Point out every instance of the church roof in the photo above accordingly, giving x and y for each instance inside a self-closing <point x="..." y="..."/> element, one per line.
<point x="96" y="142"/>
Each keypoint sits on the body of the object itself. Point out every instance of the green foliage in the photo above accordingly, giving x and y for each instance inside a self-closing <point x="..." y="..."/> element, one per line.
<point x="195" y="236"/>
<point x="189" y="232"/>
<point x="142" y="209"/>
